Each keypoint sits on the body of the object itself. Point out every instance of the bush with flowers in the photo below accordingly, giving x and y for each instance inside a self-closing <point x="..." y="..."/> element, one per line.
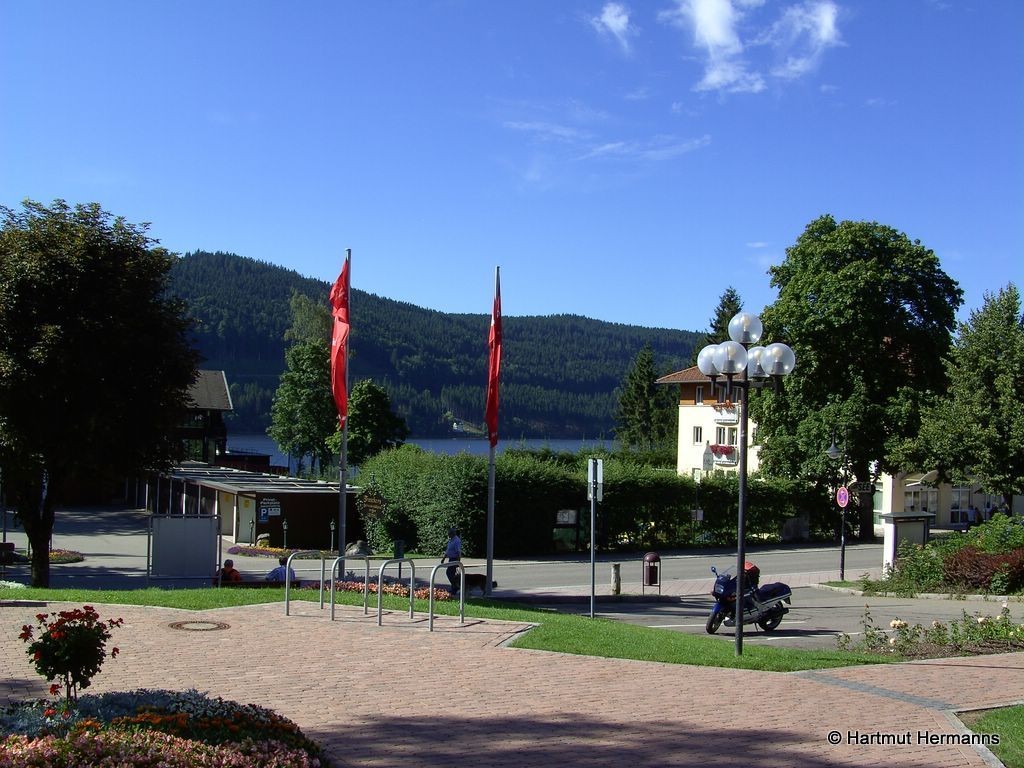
<point x="72" y="646"/>
<point x="969" y="635"/>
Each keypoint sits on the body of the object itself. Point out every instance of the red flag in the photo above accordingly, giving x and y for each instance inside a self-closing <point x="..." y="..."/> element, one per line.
<point x="494" y="364"/>
<point x="339" y="341"/>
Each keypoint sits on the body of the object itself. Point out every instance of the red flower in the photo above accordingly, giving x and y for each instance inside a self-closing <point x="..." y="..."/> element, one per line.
<point x="54" y="689"/>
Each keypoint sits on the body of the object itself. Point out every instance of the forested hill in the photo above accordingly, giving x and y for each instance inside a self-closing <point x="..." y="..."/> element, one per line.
<point x="559" y="373"/>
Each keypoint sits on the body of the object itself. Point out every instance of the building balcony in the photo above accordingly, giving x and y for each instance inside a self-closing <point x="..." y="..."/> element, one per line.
<point x="725" y="455"/>
<point x="726" y="413"/>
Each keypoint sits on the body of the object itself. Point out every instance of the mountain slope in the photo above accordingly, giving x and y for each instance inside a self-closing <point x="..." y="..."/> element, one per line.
<point x="559" y="373"/>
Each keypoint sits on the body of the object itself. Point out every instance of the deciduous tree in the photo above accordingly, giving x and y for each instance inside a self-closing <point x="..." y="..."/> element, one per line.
<point x="95" y="358"/>
<point x="868" y="313"/>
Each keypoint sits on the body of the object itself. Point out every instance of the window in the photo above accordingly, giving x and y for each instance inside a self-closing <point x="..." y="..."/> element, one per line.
<point x="698" y="397"/>
<point x="698" y="435"/>
<point x="720" y="436"/>
<point x="732" y="435"/>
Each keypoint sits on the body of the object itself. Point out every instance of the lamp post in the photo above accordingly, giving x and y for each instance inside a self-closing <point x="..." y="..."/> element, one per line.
<point x="842" y="498"/>
<point x="334" y="525"/>
<point x="284" y="528"/>
<point x="744" y="366"/>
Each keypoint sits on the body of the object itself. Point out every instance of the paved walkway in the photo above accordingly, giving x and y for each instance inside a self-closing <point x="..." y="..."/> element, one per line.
<point x="401" y="697"/>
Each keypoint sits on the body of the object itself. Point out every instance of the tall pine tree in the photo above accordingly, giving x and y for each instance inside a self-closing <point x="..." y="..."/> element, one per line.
<point x="646" y="414"/>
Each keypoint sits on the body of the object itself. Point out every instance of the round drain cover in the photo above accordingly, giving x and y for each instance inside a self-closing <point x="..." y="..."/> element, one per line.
<point x="200" y="626"/>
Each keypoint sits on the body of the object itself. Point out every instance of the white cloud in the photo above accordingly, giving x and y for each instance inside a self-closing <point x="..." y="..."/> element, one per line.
<point x="724" y="31"/>
<point x="757" y="244"/>
<point x="614" y="20"/>
<point x="802" y="36"/>
<point x="714" y="32"/>
<point x="658" y="149"/>
<point x="546" y="131"/>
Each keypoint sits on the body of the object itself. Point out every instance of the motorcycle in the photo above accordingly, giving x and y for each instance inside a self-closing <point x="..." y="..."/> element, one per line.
<point x="762" y="605"/>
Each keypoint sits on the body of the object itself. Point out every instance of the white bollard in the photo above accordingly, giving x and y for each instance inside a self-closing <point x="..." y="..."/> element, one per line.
<point x="616" y="579"/>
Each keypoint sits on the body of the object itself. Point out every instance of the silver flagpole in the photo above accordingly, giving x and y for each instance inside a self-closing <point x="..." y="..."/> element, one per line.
<point x="343" y="458"/>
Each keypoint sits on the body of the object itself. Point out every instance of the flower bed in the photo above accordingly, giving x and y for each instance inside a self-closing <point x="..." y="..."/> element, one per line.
<point x="152" y="727"/>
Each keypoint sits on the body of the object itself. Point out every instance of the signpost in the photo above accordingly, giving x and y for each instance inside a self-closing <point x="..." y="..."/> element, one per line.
<point x="842" y="499"/>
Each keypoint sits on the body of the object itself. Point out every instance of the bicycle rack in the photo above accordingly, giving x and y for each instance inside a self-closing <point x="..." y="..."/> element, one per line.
<point x="366" y="581"/>
<point x="462" y="591"/>
<point x="288" y="577"/>
<point x="380" y="586"/>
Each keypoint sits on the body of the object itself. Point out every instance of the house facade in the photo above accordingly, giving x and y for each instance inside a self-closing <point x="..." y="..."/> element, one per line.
<point x="708" y="441"/>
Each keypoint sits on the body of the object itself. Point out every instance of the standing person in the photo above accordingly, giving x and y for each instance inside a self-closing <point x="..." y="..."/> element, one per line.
<point x="453" y="554"/>
<point x="227" y="573"/>
<point x="283" y="569"/>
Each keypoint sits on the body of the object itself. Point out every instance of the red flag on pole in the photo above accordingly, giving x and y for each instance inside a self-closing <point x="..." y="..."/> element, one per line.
<point x="494" y="364"/>
<point x="339" y="342"/>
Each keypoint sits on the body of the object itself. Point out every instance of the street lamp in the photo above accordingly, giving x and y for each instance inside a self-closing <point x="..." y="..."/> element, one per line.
<point x="284" y="528"/>
<point x="744" y="365"/>
<point x="333" y="526"/>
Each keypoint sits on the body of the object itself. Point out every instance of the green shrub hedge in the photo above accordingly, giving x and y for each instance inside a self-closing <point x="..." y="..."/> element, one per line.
<point x="416" y="496"/>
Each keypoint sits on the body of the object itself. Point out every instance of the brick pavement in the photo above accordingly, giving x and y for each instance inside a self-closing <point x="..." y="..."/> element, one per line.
<point x="399" y="696"/>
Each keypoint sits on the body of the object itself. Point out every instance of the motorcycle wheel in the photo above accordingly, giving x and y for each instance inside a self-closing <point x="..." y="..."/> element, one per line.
<point x="768" y="623"/>
<point x="714" y="622"/>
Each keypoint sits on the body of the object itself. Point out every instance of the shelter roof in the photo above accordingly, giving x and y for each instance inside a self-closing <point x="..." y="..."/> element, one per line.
<point x="242" y="481"/>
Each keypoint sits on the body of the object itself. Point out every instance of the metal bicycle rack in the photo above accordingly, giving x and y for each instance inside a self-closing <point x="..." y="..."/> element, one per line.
<point x="288" y="578"/>
<point x="462" y="591"/>
<point x="380" y="586"/>
<point x="366" y="581"/>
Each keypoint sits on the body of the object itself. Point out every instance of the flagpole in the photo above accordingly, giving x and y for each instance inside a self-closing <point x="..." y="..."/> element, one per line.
<point x="343" y="457"/>
<point x="493" y="440"/>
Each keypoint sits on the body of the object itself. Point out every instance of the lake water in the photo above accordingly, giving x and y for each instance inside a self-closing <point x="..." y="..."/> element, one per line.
<point x="450" y="445"/>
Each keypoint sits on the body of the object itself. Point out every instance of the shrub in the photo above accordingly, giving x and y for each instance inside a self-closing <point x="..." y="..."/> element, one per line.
<point x="71" y="647"/>
<point x="972" y="568"/>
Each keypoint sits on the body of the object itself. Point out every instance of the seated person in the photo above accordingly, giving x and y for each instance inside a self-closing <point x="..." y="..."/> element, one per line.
<point x="227" y="573"/>
<point x="278" y="574"/>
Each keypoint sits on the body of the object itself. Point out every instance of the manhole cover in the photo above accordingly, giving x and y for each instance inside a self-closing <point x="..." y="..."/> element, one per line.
<point x="199" y="626"/>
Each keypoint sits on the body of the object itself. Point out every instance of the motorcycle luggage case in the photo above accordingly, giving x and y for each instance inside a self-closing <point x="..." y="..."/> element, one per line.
<point x="773" y="591"/>
<point x="751" y="574"/>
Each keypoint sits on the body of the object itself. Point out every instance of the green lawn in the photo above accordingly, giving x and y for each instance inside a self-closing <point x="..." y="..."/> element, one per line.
<point x="1008" y="723"/>
<point x="557" y="632"/>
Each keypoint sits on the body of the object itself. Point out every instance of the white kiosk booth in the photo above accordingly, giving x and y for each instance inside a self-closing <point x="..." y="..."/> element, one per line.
<point x="897" y="527"/>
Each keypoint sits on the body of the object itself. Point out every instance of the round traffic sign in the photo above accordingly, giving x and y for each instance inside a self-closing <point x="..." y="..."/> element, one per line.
<point x="842" y="496"/>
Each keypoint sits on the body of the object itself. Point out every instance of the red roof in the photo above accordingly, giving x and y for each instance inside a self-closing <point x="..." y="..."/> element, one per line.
<point x="691" y="375"/>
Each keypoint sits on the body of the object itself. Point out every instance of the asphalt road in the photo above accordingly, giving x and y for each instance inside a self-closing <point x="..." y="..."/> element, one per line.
<point x="114" y="543"/>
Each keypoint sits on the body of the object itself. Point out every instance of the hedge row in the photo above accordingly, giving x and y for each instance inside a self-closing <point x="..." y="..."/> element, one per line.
<point x="416" y="496"/>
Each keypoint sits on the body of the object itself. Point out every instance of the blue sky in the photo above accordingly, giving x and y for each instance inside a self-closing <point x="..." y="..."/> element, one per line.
<point x="622" y="160"/>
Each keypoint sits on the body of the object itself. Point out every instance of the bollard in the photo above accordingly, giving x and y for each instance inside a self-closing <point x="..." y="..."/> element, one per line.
<point x="616" y="579"/>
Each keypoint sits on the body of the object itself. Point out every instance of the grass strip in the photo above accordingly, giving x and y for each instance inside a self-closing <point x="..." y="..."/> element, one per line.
<point x="1008" y="723"/>
<point x="557" y="632"/>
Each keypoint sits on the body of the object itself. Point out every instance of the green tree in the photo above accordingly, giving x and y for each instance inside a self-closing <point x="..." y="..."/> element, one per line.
<point x="975" y="431"/>
<point x="95" y="359"/>
<point x="303" y="415"/>
<point x="729" y="305"/>
<point x="311" y="321"/>
<point x="646" y="414"/>
<point x="372" y="425"/>
<point x="868" y="313"/>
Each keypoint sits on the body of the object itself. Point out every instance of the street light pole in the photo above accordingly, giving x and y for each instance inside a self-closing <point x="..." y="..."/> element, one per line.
<point x="754" y="364"/>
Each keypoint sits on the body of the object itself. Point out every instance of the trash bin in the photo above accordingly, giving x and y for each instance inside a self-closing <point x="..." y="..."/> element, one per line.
<point x="652" y="569"/>
<point x="399" y="548"/>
